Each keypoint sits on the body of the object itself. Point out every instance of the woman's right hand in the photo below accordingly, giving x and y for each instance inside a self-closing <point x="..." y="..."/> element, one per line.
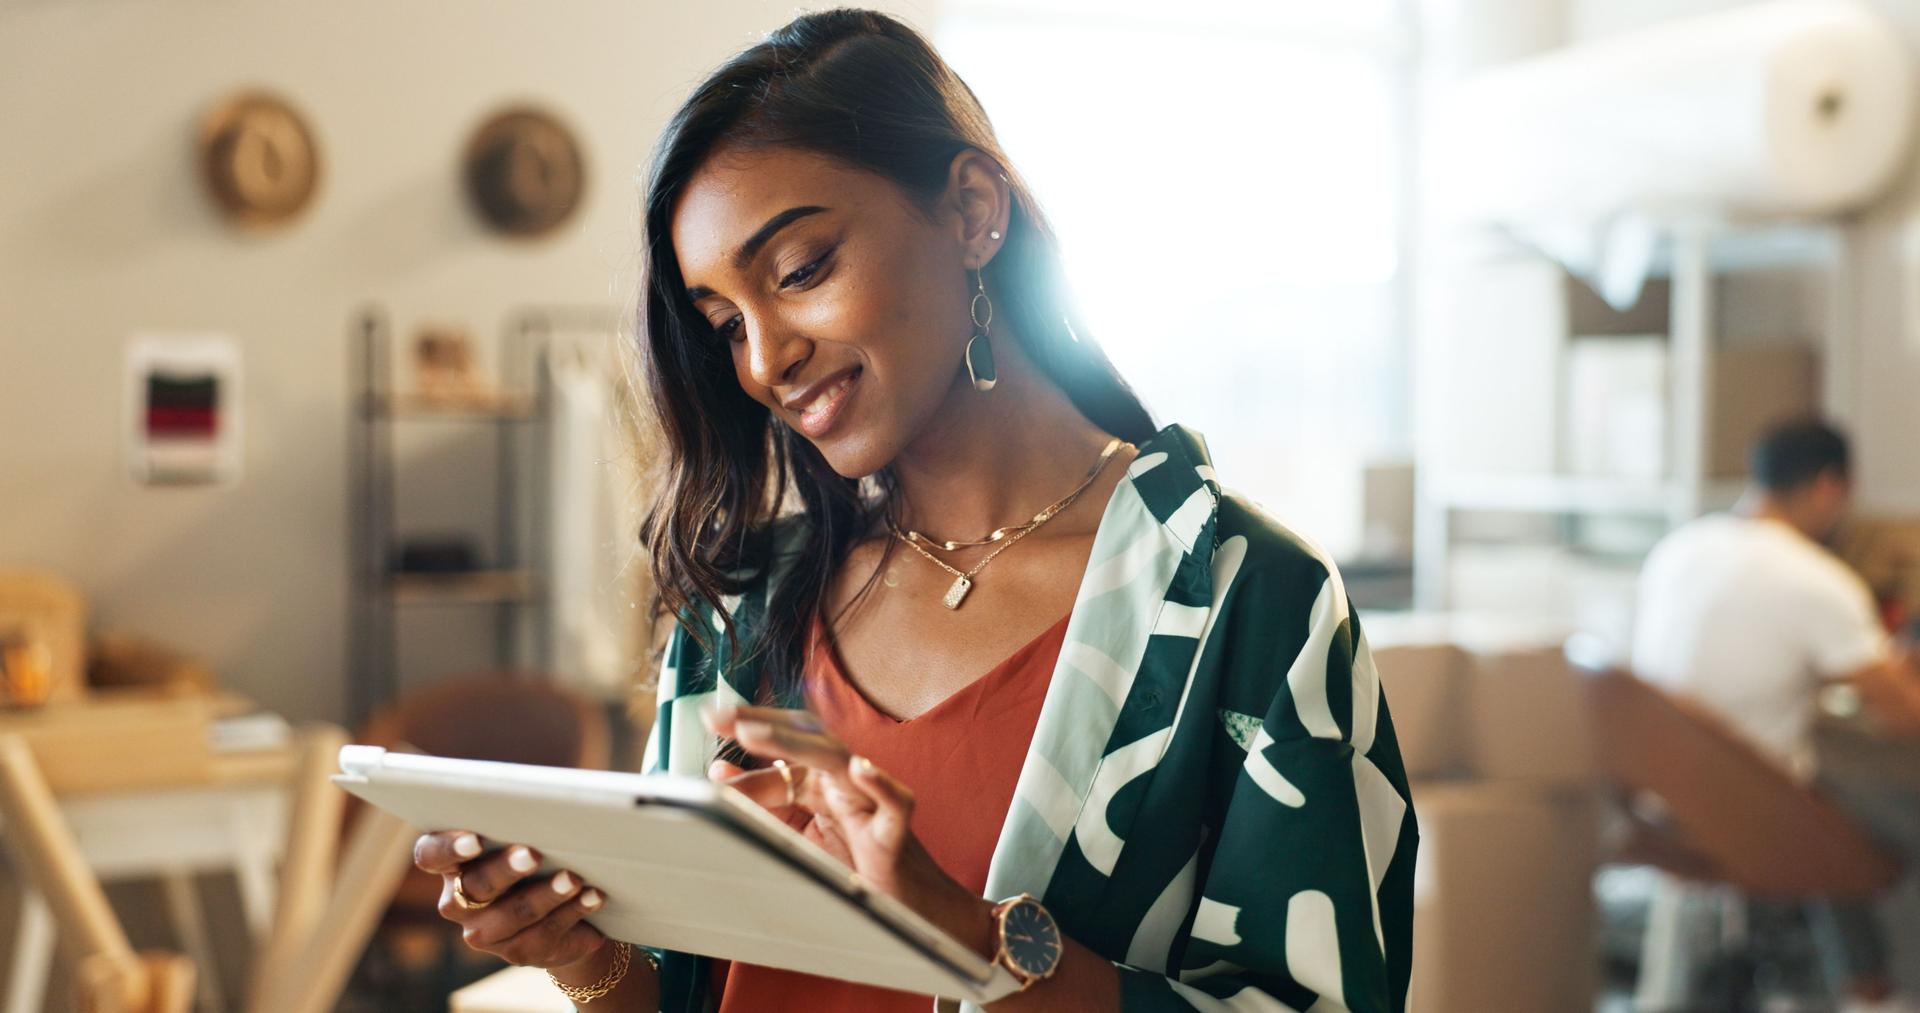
<point x="528" y="921"/>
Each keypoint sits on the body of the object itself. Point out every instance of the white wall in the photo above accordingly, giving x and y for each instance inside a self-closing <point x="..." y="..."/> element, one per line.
<point x="1591" y="19"/>
<point x="1884" y="412"/>
<point x="103" y="230"/>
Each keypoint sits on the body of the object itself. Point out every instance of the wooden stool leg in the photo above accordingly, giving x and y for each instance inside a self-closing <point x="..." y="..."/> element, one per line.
<point x="32" y="954"/>
<point x="107" y="986"/>
<point x="154" y="983"/>
<point x="314" y="837"/>
<point x="112" y="979"/>
<point x="253" y="874"/>
<point x="190" y="926"/>
<point x="308" y="872"/>
<point x="377" y="856"/>
<point x="50" y="861"/>
<point x="170" y="982"/>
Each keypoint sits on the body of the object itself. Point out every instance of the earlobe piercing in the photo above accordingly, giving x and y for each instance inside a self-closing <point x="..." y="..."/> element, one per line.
<point x="995" y="234"/>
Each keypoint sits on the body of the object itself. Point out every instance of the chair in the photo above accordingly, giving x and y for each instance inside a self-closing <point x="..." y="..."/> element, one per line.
<point x="1729" y="820"/>
<point x="512" y="718"/>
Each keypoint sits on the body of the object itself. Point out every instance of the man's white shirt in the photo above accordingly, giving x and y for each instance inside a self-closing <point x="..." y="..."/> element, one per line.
<point x="1747" y="616"/>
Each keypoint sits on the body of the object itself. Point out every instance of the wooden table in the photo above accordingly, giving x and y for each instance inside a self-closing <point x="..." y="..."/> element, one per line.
<point x="146" y="797"/>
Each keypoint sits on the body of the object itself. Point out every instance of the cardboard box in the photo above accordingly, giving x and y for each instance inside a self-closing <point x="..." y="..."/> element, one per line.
<point x="1422" y="686"/>
<point x="1526" y="718"/>
<point x="1503" y="900"/>
<point x="1482" y="697"/>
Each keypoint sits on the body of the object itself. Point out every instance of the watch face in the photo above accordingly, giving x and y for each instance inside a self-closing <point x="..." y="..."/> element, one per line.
<point x="1033" y="940"/>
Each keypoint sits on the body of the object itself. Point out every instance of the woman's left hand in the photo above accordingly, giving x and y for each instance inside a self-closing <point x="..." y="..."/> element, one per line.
<point x="856" y="811"/>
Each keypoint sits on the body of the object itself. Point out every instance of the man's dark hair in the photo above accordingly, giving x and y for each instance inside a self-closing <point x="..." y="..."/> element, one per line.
<point x="1791" y="455"/>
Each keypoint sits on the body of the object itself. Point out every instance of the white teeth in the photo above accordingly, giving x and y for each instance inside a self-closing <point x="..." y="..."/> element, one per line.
<point x="826" y="396"/>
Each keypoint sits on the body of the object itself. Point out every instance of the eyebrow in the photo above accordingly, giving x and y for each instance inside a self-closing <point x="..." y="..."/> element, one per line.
<point x="751" y="248"/>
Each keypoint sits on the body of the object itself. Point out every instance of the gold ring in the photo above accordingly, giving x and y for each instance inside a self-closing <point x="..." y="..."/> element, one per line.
<point x="460" y="895"/>
<point x="786" y="774"/>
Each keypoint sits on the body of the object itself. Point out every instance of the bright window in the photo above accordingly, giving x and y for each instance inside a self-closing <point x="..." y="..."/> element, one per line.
<point x="1227" y="186"/>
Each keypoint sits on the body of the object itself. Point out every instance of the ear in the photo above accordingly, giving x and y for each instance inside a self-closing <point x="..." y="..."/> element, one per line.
<point x="1833" y="482"/>
<point x="981" y="199"/>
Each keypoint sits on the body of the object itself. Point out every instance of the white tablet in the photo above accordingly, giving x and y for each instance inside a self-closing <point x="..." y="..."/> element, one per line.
<point x="686" y="865"/>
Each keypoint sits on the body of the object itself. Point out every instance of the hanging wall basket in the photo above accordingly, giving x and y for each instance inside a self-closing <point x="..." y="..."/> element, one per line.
<point x="525" y="175"/>
<point x="258" y="159"/>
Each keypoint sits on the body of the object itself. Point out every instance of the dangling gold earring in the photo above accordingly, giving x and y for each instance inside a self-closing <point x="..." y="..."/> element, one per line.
<point x="979" y="348"/>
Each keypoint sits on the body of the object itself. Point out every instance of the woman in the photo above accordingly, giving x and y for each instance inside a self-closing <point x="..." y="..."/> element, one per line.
<point x="895" y="466"/>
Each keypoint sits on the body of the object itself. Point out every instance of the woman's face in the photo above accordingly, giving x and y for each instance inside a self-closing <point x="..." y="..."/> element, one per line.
<point x="843" y="303"/>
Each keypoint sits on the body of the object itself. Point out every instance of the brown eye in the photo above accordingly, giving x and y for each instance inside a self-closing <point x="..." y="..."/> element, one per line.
<point x="728" y="328"/>
<point x="802" y="275"/>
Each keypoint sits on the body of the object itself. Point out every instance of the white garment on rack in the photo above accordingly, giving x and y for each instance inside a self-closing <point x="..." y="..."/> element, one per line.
<point x="592" y="540"/>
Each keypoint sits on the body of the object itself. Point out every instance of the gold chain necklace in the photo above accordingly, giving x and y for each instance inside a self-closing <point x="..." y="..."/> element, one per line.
<point x="963" y="581"/>
<point x="1045" y="515"/>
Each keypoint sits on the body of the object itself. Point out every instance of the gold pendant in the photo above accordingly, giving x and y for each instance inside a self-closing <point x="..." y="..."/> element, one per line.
<point x="957" y="593"/>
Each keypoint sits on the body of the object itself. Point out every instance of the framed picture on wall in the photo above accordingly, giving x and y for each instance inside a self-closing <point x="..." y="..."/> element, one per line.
<point x="183" y="421"/>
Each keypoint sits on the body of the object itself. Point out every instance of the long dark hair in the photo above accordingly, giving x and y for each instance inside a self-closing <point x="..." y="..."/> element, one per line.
<point x="865" y="89"/>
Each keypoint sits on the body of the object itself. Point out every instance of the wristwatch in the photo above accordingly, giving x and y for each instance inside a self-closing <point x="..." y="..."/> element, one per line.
<point x="1027" y="940"/>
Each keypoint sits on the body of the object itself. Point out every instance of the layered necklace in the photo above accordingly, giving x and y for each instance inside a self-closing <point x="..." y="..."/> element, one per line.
<point x="963" y="580"/>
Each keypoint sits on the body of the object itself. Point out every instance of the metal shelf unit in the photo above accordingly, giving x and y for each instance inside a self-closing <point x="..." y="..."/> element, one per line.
<point x="509" y="585"/>
<point x="1693" y="256"/>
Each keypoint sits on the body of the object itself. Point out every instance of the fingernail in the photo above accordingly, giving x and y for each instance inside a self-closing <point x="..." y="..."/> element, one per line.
<point x="746" y="726"/>
<point x="592" y="900"/>
<point x="862" y="766"/>
<point x="521" y="860"/>
<point x="466" y="845"/>
<point x="563" y="884"/>
<point x="807" y="722"/>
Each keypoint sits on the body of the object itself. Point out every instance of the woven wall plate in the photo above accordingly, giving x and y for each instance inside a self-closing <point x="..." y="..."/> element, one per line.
<point x="259" y="159"/>
<point x="525" y="174"/>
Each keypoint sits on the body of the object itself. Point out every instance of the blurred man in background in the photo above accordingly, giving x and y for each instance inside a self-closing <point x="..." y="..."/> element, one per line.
<point x="1749" y="615"/>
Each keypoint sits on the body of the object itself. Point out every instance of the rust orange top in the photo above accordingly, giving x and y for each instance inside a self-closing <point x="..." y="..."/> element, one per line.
<point x="962" y="759"/>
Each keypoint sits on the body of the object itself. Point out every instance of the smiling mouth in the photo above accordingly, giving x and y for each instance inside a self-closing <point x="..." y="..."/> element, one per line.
<point x="827" y="396"/>
<point x="820" y="414"/>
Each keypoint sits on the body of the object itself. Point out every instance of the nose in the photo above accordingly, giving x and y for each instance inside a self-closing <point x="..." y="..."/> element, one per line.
<point x="774" y="352"/>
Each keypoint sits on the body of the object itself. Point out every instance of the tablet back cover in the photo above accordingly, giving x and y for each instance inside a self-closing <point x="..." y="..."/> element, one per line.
<point x="685" y="865"/>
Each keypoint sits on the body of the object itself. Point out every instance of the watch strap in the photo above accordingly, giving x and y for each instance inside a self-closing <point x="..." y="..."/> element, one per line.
<point x="1001" y="984"/>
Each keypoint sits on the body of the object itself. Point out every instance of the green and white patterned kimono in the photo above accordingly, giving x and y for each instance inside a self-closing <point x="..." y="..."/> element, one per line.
<point x="1213" y="798"/>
